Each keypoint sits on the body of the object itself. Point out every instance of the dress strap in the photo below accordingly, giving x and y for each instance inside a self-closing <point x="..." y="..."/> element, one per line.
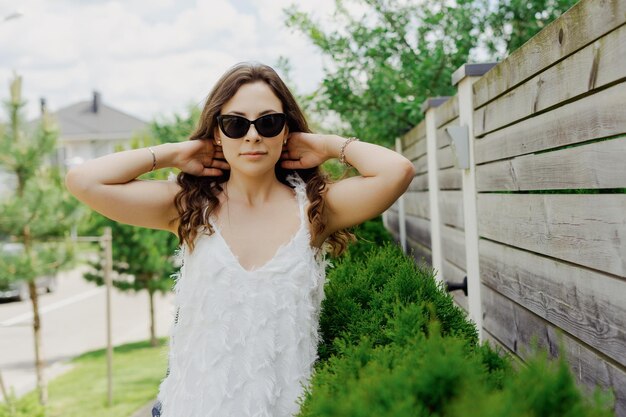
<point x="300" y="188"/>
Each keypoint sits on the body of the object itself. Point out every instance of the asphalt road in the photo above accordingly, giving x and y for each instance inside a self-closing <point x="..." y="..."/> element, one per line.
<point x="73" y="322"/>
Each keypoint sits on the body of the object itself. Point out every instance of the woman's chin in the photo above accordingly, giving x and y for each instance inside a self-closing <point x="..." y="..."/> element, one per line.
<point x="253" y="170"/>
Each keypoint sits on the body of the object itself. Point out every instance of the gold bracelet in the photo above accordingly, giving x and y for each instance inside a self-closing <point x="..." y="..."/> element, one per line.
<point x="342" y="152"/>
<point x="153" y="159"/>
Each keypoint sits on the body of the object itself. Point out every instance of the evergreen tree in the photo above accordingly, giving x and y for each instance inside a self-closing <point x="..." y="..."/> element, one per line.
<point x="38" y="214"/>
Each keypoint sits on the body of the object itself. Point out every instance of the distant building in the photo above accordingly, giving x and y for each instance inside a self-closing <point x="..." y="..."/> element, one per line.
<point x="89" y="129"/>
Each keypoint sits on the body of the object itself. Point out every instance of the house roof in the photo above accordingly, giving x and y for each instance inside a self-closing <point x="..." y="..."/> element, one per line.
<point x="95" y="120"/>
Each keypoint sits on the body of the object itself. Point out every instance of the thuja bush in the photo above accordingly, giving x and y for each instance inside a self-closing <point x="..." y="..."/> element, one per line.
<point x="369" y="236"/>
<point x="439" y="376"/>
<point x="394" y="344"/>
<point x="364" y="292"/>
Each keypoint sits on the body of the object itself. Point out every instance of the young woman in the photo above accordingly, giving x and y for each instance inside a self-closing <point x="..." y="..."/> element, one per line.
<point x="255" y="217"/>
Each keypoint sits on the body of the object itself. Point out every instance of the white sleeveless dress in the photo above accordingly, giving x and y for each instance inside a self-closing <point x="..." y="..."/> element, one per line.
<point x="245" y="342"/>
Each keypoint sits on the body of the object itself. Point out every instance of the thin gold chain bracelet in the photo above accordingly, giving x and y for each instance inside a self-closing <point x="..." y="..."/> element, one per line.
<point x="153" y="159"/>
<point x="342" y="152"/>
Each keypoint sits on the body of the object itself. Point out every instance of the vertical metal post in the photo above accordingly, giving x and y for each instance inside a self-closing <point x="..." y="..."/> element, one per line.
<point x="401" y="214"/>
<point x="107" y="241"/>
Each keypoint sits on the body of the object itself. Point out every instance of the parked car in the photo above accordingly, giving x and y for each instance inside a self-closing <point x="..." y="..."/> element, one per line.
<point x="11" y="288"/>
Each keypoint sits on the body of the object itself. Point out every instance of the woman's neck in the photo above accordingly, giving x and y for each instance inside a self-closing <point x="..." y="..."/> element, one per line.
<point x="252" y="191"/>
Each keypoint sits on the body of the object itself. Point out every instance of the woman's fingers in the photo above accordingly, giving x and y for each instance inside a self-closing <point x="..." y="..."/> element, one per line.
<point x="216" y="163"/>
<point x="291" y="164"/>
<point x="211" y="172"/>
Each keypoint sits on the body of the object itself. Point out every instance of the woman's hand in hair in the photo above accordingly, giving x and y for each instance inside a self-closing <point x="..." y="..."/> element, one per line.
<point x="200" y="157"/>
<point x="304" y="150"/>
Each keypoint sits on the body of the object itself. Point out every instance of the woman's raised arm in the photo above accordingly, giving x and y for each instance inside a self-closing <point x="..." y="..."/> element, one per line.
<point x="109" y="184"/>
<point x="384" y="176"/>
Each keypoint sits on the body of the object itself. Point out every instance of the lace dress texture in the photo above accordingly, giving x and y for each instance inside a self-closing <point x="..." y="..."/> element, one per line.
<point x="244" y="342"/>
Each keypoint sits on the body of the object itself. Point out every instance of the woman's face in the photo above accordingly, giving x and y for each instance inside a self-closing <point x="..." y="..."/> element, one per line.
<point x="252" y="154"/>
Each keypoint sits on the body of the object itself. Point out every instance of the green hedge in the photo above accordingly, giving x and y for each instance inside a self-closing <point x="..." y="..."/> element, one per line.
<point x="394" y="344"/>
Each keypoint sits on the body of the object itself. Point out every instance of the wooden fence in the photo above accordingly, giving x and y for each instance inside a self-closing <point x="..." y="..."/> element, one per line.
<point x="537" y="223"/>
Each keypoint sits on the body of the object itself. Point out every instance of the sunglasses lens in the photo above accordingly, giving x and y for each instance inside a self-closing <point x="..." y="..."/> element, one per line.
<point x="234" y="126"/>
<point x="270" y="125"/>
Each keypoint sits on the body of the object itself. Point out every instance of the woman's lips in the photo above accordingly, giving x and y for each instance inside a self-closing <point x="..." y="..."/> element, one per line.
<point x="253" y="155"/>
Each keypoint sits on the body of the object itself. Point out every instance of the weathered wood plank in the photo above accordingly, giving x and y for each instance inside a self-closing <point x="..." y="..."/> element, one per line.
<point x="450" y="179"/>
<point x="452" y="273"/>
<point x="453" y="246"/>
<point x="597" y="116"/>
<point x="393" y="222"/>
<point x="588" y="305"/>
<point x="596" y="165"/>
<point x="419" y="183"/>
<point x="421" y="254"/>
<point x="417" y="204"/>
<point x="516" y="328"/>
<point x="445" y="158"/>
<point x="601" y="63"/>
<point x="421" y="164"/>
<point x="500" y="347"/>
<point x="451" y="208"/>
<point x="418" y="229"/>
<point x="415" y="150"/>
<point x="582" y="24"/>
<point x="447" y="111"/>
<point x="413" y="135"/>
<point x="586" y="229"/>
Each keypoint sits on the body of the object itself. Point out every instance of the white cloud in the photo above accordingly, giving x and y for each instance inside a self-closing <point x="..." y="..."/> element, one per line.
<point x="145" y="57"/>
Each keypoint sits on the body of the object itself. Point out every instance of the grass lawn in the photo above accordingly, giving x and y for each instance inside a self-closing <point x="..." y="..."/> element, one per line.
<point x="137" y="371"/>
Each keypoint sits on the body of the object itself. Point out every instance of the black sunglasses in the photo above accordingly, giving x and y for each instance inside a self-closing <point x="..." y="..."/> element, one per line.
<point x="236" y="127"/>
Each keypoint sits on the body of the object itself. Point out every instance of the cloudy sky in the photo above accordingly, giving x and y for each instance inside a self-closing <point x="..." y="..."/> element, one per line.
<point x="150" y="58"/>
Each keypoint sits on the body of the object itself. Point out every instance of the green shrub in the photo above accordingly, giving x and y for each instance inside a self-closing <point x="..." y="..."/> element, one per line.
<point x="369" y="236"/>
<point x="363" y="293"/>
<point x="417" y="379"/>
<point x="542" y="388"/>
<point x="438" y="376"/>
<point x="394" y="344"/>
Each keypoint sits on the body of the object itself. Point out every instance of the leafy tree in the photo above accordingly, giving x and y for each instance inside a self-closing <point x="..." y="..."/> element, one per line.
<point x="513" y="22"/>
<point x="176" y="130"/>
<point x="143" y="258"/>
<point x="385" y="61"/>
<point x="38" y="214"/>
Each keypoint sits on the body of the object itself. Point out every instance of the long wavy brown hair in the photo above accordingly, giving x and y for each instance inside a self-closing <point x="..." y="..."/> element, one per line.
<point x="197" y="198"/>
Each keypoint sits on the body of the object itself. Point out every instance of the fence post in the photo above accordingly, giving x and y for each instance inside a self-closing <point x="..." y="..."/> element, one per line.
<point x="428" y="108"/>
<point x="107" y="242"/>
<point x="463" y="78"/>
<point x="401" y="214"/>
